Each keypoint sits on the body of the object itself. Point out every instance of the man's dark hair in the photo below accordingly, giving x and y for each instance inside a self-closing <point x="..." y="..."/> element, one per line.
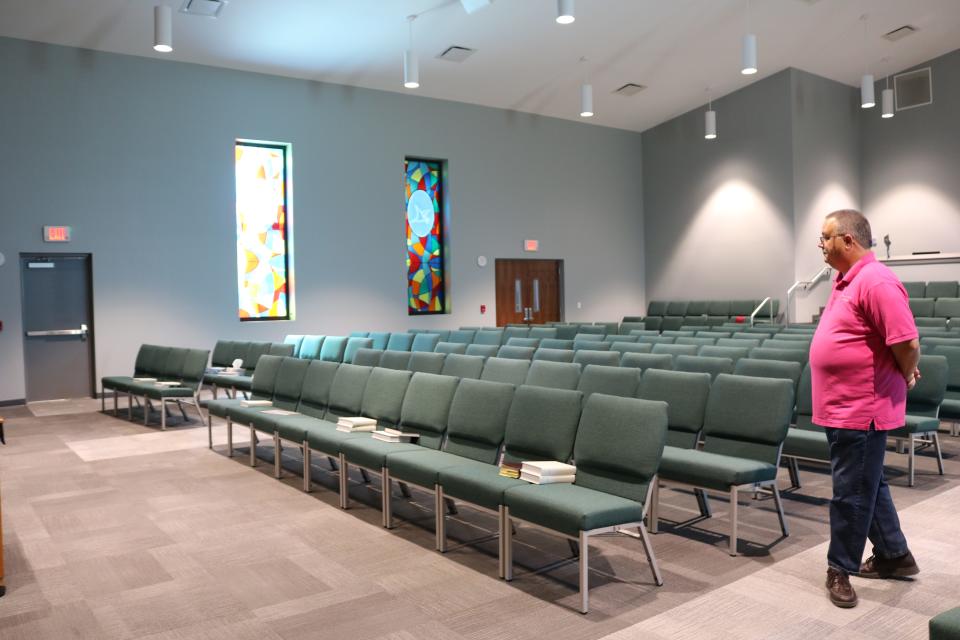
<point x="852" y="222"/>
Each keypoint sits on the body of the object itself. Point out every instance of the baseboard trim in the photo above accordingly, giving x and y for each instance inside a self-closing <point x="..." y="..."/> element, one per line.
<point x="13" y="403"/>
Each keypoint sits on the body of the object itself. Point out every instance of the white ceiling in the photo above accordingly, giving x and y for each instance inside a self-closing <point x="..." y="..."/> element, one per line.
<point x="524" y="60"/>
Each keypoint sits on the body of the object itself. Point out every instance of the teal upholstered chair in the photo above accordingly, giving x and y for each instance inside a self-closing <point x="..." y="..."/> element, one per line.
<point x="515" y="332"/>
<point x="395" y="359"/>
<point x="262" y="385"/>
<point x="915" y="289"/>
<point x="942" y="289"/>
<point x="192" y="367"/>
<point x="359" y="334"/>
<point x="555" y="375"/>
<point x="543" y="332"/>
<point x="463" y="336"/>
<point x="333" y="348"/>
<point x="950" y="407"/>
<point x="556" y="343"/>
<point x="616" y="337"/>
<point x="747" y="343"/>
<point x="795" y="355"/>
<point x="733" y="353"/>
<point x="281" y="349"/>
<point x="354" y="345"/>
<point x="643" y="361"/>
<point x="675" y="349"/>
<point x="450" y="347"/>
<point x="533" y="343"/>
<point x="805" y="441"/>
<point x="631" y="347"/>
<point x="510" y="371"/>
<point x="923" y="411"/>
<point x="482" y="350"/>
<point x="425" y="342"/>
<point x="367" y="357"/>
<point x="703" y="364"/>
<point x="584" y="357"/>
<point x="400" y="342"/>
<point x="295" y="340"/>
<point x="489" y="337"/>
<point x="580" y="344"/>
<point x="611" y="380"/>
<point x="686" y="396"/>
<point x="380" y="339"/>
<point x="515" y="353"/>
<point x="462" y="366"/>
<point x="554" y="355"/>
<point x="310" y="347"/>
<point x="315" y="395"/>
<point x="945" y="626"/>
<point x="425" y="362"/>
<point x="698" y="342"/>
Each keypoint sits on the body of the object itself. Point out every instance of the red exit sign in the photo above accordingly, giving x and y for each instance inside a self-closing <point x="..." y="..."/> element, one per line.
<point x="56" y="234"/>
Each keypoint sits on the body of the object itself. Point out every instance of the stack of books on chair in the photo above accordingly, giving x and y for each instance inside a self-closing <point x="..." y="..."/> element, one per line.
<point x="167" y="383"/>
<point x="547" y="472"/>
<point x="356" y="424"/>
<point x="510" y="469"/>
<point x="144" y="379"/>
<point x="394" y="435"/>
<point x="255" y="403"/>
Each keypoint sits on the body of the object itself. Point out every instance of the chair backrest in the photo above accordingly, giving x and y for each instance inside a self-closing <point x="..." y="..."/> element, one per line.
<point x="346" y="391"/>
<point x="616" y="337"/>
<point x="506" y="370"/>
<point x="265" y="377"/>
<point x="555" y="343"/>
<point x="631" y="347"/>
<point x="703" y="364"/>
<point x="586" y="357"/>
<point x="333" y="348"/>
<point x="482" y="350"/>
<point x="925" y="398"/>
<point x="400" y="342"/>
<point x="555" y="375"/>
<point x="657" y="308"/>
<point x="686" y="396"/>
<point x="678" y="333"/>
<point x="776" y="343"/>
<point x="450" y="347"/>
<point x="173" y="363"/>
<point x="154" y="359"/>
<point x="612" y="380"/>
<point x="628" y="327"/>
<point x="426" y="362"/>
<point x="657" y="339"/>
<point x="354" y="345"/>
<point x="643" y="361"/>
<point x="947" y="308"/>
<point x="734" y="353"/>
<point x="676" y="308"/>
<point x="741" y="343"/>
<point x="478" y="419"/>
<point x="697" y="308"/>
<point x="952" y="354"/>
<point x="714" y="334"/>
<point x="619" y="443"/>
<point x="543" y="332"/>
<point x="515" y="332"/>
<point x="286" y="392"/>
<point x="380" y="339"/>
<point x="590" y="329"/>
<point x="194" y="366"/>
<point x="310" y="347"/>
<point x="590" y="345"/>
<point x="315" y="394"/>
<point x="699" y="342"/>
<point x="222" y="351"/>
<point x="554" y="355"/>
<point x="769" y="369"/>
<point x="566" y="331"/>
<point x="359" y="334"/>
<point x="523" y="342"/>
<point x="281" y="349"/>
<point x="608" y="326"/>
<point x="915" y="289"/>
<point x="240" y="350"/>
<point x="383" y="396"/>
<point x="395" y="359"/>
<point x="942" y="289"/>
<point x="367" y="357"/>
<point x="747" y="417"/>
<point x="462" y="366"/>
<point x="515" y="353"/>
<point x="542" y="424"/>
<point x="588" y="337"/>
<point x="489" y="337"/>
<point x="676" y="349"/>
<point x="464" y="336"/>
<point x="295" y="340"/>
<point x="426" y="406"/>
<point x="790" y="355"/>
<point x="425" y="342"/>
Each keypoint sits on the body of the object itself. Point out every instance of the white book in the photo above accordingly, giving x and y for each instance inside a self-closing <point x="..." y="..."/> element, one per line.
<point x="168" y="383"/>
<point x="145" y="379"/>
<point x="356" y="421"/>
<point x="548" y="468"/>
<point x="388" y="437"/>
<point x="397" y="432"/>
<point x="280" y="412"/>
<point x="255" y="403"/>
<point x="535" y="479"/>
<point x="362" y="428"/>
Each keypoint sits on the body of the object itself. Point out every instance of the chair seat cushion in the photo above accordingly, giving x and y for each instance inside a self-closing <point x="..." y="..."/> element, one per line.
<point x="221" y="406"/>
<point x="570" y="509"/>
<point x="477" y="482"/>
<point x="371" y="453"/>
<point x="421" y="467"/>
<point x="246" y="415"/>
<point x="294" y="428"/>
<point x="159" y="391"/>
<point x="119" y="383"/>
<point x="804" y="443"/>
<point x="712" y="470"/>
<point x="950" y="410"/>
<point x="323" y="436"/>
<point x="243" y="383"/>
<point x="915" y="424"/>
<point x="946" y="626"/>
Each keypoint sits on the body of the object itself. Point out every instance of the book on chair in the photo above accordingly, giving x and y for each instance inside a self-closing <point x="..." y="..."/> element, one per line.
<point x="351" y="424"/>
<point x="533" y="478"/>
<point x="145" y="379"/>
<point x="256" y="403"/>
<point x="394" y="435"/>
<point x="510" y="469"/>
<point x="548" y="468"/>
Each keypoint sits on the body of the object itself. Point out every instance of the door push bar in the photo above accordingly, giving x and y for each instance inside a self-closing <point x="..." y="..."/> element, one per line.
<point x="82" y="331"/>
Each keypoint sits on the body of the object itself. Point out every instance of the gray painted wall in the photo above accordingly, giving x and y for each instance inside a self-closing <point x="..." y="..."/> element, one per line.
<point x="137" y="155"/>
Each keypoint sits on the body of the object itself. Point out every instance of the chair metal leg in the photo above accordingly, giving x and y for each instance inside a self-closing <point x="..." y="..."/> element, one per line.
<point x="182" y="412"/>
<point x="584" y="574"/>
<point x="344" y="483"/>
<point x="229" y="437"/>
<point x="253" y="446"/>
<point x="364" y="475"/>
<point x="163" y="414"/>
<point x="146" y="410"/>
<point x="501" y="554"/>
<point x="306" y="466"/>
<point x="386" y="485"/>
<point x="405" y="490"/>
<point x="115" y="410"/>
<point x="652" y="559"/>
<point x="910" y="452"/>
<point x="441" y="519"/>
<point x="103" y="400"/>
<point x="451" y="506"/>
<point x="654" y="505"/>
<point x="277" y="452"/>
<point x="333" y="463"/>
<point x="733" y="521"/>
<point x="793" y="468"/>
<point x="703" y="502"/>
<point x="130" y="407"/>
<point x="574" y="548"/>
<point x="779" y="504"/>
<point x="506" y="548"/>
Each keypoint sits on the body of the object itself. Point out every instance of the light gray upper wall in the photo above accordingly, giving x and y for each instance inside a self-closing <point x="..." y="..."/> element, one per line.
<point x="137" y="155"/>
<point x="719" y="214"/>
<point x="911" y="173"/>
<point x="826" y="173"/>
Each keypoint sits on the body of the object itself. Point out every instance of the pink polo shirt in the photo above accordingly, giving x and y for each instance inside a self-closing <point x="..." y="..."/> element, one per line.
<point x="855" y="377"/>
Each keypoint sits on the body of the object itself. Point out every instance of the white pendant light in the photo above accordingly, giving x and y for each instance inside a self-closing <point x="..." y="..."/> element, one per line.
<point x="886" y="102"/>
<point x="162" y="29"/>
<point x="710" y="122"/>
<point x="411" y="65"/>
<point x="748" y="64"/>
<point x="565" y="11"/>
<point x="867" y="98"/>
<point x="586" y="101"/>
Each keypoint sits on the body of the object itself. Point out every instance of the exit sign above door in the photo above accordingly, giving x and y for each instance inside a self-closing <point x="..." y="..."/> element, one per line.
<point x="56" y="234"/>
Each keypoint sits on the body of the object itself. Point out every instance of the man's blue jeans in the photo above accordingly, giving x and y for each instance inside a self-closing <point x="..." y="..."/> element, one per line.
<point x="861" y="506"/>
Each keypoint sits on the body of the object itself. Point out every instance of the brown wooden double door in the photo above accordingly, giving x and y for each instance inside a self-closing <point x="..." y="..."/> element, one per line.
<point x="529" y="291"/>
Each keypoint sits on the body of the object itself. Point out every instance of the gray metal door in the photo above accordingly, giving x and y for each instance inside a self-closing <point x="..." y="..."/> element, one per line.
<point x="58" y="327"/>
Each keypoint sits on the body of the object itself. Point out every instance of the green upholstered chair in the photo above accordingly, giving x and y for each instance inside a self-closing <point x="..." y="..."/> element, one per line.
<point x="193" y="364"/>
<point x="510" y="371"/>
<point x="489" y="337"/>
<point x="222" y="352"/>
<point x="671" y="323"/>
<point x="542" y="332"/>
<point x="463" y="336"/>
<point x="805" y="441"/>
<point x="677" y="308"/>
<point x="425" y="408"/>
<point x="789" y="355"/>
<point x="747" y="342"/>
<point x="657" y="308"/>
<point x="595" y="336"/>
<point x="425" y="342"/>
<point x="585" y="357"/>
<point x="631" y="347"/>
<point x="380" y="339"/>
<point x="554" y="355"/>
<point x="425" y="362"/>
<point x="942" y="289"/>
<point x="295" y="340"/>
<point x="315" y="395"/>
<point x="450" y="347"/>
<point x="310" y="347"/>
<point x="367" y="357"/>
<point x="400" y="342"/>
<point x="675" y="349"/>
<point x="590" y="345"/>
<point x="733" y="353"/>
<point x="346" y="391"/>
<point x="590" y="329"/>
<point x="915" y="289"/>
<point x="703" y="364"/>
<point x="333" y="348"/>
<point x="515" y="332"/>
<point x="556" y="343"/>
<point x="769" y="369"/>
<point x="932" y="341"/>
<point x="281" y="349"/>
<point x="648" y="339"/>
<point x="743" y="308"/>
<point x="946" y="625"/>
<point x="698" y="342"/>
<point x="627" y="328"/>
<point x="697" y="309"/>
<point x="359" y="334"/>
<point x="263" y="382"/>
<point x="462" y="366"/>
<point x="618" y="447"/>
<point x="554" y="375"/>
<point x="923" y="411"/>
<point x="148" y="364"/>
<point x="794" y="337"/>
<point x="515" y="353"/>
<point x="395" y="359"/>
<point x="686" y="396"/>
<point x="566" y="331"/>
<point x="745" y="424"/>
<point x="611" y="380"/>
<point x="608" y="326"/>
<point x="523" y="342"/>
<point x="714" y="334"/>
<point x="482" y="350"/>
<point x="616" y="337"/>
<point x="950" y="407"/>
<point x="643" y="361"/>
<point x="779" y="343"/>
<point x="354" y="345"/>
<point x="678" y="333"/>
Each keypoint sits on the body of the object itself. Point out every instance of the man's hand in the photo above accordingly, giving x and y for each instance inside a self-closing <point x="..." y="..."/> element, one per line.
<point x="913" y="378"/>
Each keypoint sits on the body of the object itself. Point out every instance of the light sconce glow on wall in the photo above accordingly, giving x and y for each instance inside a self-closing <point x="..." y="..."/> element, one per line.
<point x="749" y="55"/>
<point x="710" y="123"/>
<point x="586" y="101"/>
<point x="411" y="65"/>
<point x="565" y="11"/>
<point x="867" y="98"/>
<point x="162" y="29"/>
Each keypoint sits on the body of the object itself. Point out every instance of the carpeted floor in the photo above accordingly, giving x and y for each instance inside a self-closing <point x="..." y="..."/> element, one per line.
<point x="116" y="530"/>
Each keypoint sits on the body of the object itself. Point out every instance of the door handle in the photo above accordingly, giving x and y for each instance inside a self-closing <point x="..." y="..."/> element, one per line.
<point x="82" y="331"/>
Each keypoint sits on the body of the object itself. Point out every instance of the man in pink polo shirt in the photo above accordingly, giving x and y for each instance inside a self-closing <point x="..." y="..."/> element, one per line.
<point x="863" y="358"/>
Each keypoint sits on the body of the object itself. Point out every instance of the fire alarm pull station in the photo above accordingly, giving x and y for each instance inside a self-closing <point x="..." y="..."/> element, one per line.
<point x="483" y="308"/>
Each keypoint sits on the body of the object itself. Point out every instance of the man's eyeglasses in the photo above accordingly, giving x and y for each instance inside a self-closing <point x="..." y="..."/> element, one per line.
<point x="824" y="239"/>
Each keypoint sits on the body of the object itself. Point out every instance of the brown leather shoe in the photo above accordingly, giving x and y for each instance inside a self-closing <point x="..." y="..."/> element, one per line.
<point x="840" y="589"/>
<point x="902" y="567"/>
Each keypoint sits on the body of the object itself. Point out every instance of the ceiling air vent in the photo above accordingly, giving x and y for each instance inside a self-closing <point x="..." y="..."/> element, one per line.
<point x="205" y="8"/>
<point x="456" y="54"/>
<point x="899" y="33"/>
<point x="913" y="89"/>
<point x="629" y="89"/>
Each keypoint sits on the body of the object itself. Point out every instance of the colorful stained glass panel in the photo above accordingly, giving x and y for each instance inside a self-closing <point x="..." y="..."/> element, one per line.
<point x="262" y="250"/>
<point x="426" y="284"/>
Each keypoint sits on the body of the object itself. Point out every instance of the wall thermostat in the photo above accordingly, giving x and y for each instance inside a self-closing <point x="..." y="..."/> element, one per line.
<point x="481" y="261"/>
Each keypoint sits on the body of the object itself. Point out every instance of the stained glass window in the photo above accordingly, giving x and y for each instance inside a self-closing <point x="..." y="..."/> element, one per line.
<point x="263" y="260"/>
<point x="426" y="284"/>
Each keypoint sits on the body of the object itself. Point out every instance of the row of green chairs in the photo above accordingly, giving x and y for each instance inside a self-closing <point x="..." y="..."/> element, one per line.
<point x="225" y="352"/>
<point x="936" y="289"/>
<point x="175" y="374"/>
<point x="942" y="313"/>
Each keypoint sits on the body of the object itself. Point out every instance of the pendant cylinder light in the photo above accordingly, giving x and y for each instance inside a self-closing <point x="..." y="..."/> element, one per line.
<point x="565" y="11"/>
<point x="886" y="102"/>
<point x="710" y="124"/>
<point x="748" y="64"/>
<point x="411" y="70"/>
<point x="586" y="101"/>
<point x="867" y="98"/>
<point x="162" y="29"/>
